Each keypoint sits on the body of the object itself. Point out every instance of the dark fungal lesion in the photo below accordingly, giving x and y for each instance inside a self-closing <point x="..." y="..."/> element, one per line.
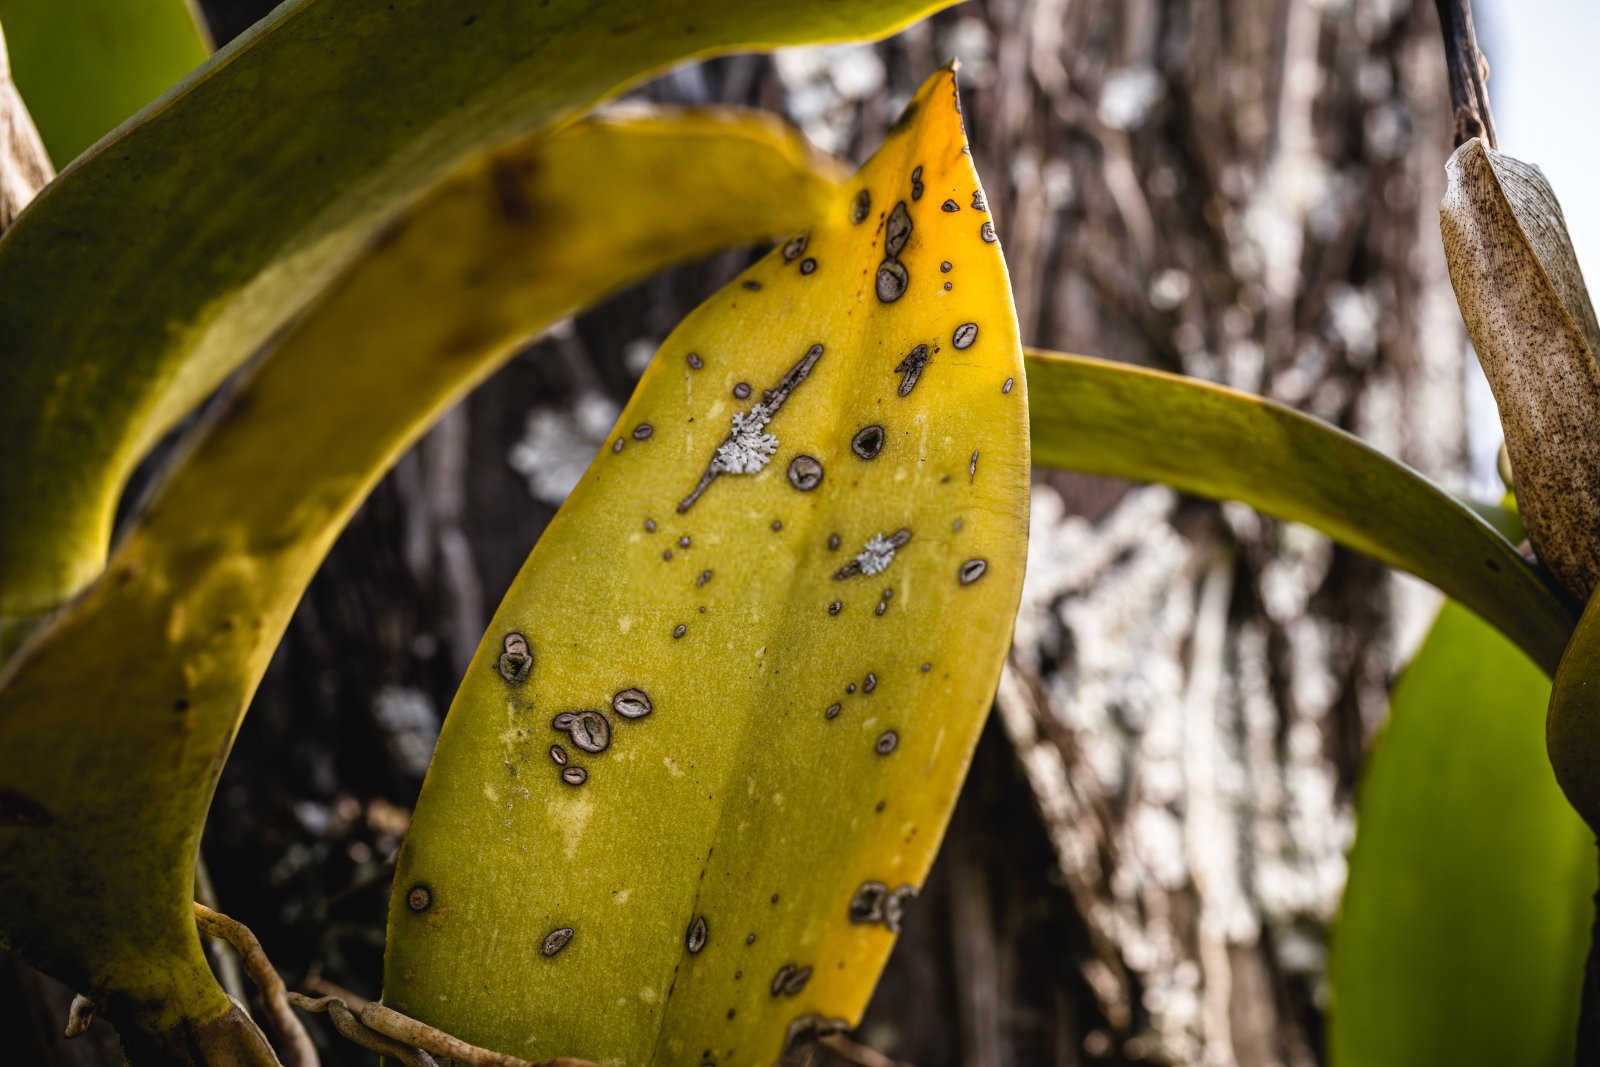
<point x="419" y="898"/>
<point x="916" y="183"/>
<point x="867" y="443"/>
<point x="972" y="570"/>
<point x="793" y="248"/>
<point x="555" y="940"/>
<point x="886" y="743"/>
<point x="789" y="980"/>
<point x="861" y="206"/>
<point x="805" y="472"/>
<point x="695" y="937"/>
<point x="515" y="660"/>
<point x="892" y="278"/>
<point x="964" y="335"/>
<point x="632" y="703"/>
<point x="910" y="369"/>
<point x="950" y="206"/>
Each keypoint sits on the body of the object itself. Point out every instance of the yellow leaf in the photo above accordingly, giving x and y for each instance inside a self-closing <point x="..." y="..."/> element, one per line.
<point x="704" y="756"/>
<point x="115" y="720"/>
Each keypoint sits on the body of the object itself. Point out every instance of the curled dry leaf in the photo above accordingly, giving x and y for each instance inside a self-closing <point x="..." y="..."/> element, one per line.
<point x="1528" y="313"/>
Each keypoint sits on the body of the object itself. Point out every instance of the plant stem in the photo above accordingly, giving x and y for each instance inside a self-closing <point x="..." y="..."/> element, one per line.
<point x="1469" y="73"/>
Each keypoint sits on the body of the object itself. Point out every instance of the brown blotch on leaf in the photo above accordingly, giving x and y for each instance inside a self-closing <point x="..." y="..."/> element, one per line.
<point x="574" y="775"/>
<point x="892" y="279"/>
<point x="867" y="443"/>
<point x="910" y="369"/>
<point x="632" y="704"/>
<point x="861" y="206"/>
<point x="516" y="659"/>
<point x="965" y="334"/>
<point x="950" y="205"/>
<point x="898" y="230"/>
<point x="805" y="472"/>
<point x="419" y="898"/>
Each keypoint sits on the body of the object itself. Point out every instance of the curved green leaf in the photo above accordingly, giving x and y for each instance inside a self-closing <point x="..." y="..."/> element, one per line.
<point x="115" y="720"/>
<point x="704" y="756"/>
<point x="1129" y="422"/>
<point x="1573" y="725"/>
<point x="1462" y="935"/>
<point x="83" y="66"/>
<point x="159" y="260"/>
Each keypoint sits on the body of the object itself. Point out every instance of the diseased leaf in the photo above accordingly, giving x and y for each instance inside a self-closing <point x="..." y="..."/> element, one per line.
<point x="115" y="721"/>
<point x="1462" y="934"/>
<point x="702" y="760"/>
<point x="85" y="65"/>
<point x="162" y="259"/>
<point x="1522" y="295"/>
<point x="1129" y="422"/>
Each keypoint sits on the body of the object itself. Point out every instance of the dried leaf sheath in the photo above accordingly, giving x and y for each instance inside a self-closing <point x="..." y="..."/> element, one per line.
<point x="792" y="670"/>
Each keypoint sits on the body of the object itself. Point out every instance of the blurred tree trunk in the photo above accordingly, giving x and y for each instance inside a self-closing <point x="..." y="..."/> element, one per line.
<point x="1143" y="866"/>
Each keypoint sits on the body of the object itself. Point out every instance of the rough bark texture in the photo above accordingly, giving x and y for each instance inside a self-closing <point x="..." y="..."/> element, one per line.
<point x="1150" y="847"/>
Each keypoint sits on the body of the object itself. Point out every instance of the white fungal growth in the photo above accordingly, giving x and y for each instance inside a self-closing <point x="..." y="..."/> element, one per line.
<point x="876" y="555"/>
<point x="748" y="447"/>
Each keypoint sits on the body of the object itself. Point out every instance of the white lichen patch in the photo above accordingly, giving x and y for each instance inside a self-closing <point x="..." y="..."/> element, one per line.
<point x="749" y="447"/>
<point x="876" y="555"/>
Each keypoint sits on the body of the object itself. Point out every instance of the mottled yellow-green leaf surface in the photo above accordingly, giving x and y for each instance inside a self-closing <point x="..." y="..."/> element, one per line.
<point x="169" y="253"/>
<point x="702" y="760"/>
<point x="115" y="720"/>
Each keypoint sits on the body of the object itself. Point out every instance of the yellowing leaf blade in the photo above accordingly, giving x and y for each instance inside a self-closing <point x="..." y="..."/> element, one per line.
<point x="115" y="720"/>
<point x="804" y="549"/>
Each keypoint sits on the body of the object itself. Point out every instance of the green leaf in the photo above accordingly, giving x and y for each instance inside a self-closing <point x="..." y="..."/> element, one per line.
<point x="115" y="720"/>
<point x="708" y="747"/>
<point x="163" y="258"/>
<point x="1462" y="935"/>
<point x="1128" y="422"/>
<point x="84" y="66"/>
<point x="1573" y="725"/>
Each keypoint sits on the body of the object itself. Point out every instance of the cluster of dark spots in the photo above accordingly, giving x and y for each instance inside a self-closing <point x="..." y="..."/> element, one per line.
<point x="679" y="630"/>
<point x="866" y="905"/>
<point x="559" y="755"/>
<point x="978" y="203"/>
<point x="590" y="731"/>
<point x="836" y="606"/>
<point x="632" y="703"/>
<point x="1006" y="388"/>
<point x="892" y="277"/>
<point x="805" y="472"/>
<point x="516" y="659"/>
<point x="809" y="1029"/>
<point x="790" y="980"/>
<point x="875" y="904"/>
<point x="910" y="369"/>
<point x="694" y="361"/>
<point x="808" y="265"/>
<point x="950" y="205"/>
<point x="574" y="775"/>
<point x="869" y="683"/>
<point x="972" y="570"/>
<point x="741" y="390"/>
<point x="555" y="940"/>
<point x="833" y="710"/>
<point x="419" y="898"/>
<point x="965" y="334"/>
<point x="705" y="576"/>
<point x="694" y="939"/>
<point x="861" y="206"/>
<point x="986" y="231"/>
<point x="886" y="743"/>
<point x="916" y="183"/>
<point x="867" y="443"/>
<point x="643" y="431"/>
<point x="793" y="247"/>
